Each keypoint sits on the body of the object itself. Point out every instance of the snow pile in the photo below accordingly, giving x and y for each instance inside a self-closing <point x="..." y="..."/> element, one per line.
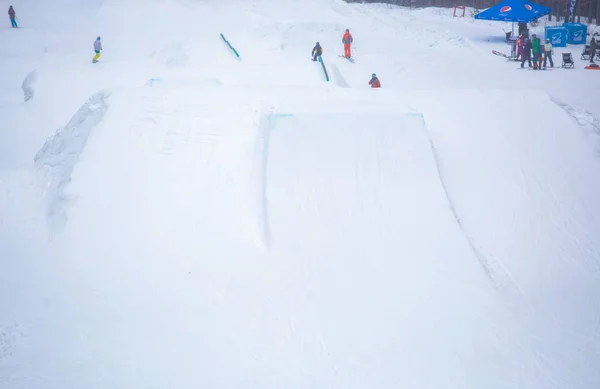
<point x="27" y="86"/>
<point x="60" y="153"/>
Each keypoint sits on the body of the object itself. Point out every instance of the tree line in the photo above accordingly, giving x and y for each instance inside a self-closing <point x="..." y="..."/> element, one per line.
<point x="585" y="11"/>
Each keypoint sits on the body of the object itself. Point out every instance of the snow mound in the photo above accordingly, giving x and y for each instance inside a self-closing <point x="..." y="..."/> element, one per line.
<point x="27" y="85"/>
<point x="60" y="153"/>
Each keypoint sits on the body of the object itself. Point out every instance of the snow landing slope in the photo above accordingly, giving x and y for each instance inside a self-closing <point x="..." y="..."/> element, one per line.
<point x="241" y="223"/>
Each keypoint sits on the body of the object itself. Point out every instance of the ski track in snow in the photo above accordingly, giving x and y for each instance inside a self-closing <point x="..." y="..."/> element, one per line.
<point x="10" y="335"/>
<point x="260" y="183"/>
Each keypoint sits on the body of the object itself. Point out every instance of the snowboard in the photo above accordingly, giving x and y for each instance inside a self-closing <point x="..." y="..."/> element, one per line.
<point x="508" y="57"/>
<point x="500" y="54"/>
<point x="349" y="59"/>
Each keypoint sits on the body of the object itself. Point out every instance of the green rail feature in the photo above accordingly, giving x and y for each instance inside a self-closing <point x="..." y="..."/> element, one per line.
<point x="324" y="69"/>
<point x="229" y="44"/>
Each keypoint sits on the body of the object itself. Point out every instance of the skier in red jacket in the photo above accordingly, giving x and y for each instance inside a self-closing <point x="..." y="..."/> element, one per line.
<point x="347" y="41"/>
<point x="374" y="81"/>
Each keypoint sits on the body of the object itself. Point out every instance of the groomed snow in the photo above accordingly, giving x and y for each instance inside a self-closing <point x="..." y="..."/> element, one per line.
<point x="176" y="217"/>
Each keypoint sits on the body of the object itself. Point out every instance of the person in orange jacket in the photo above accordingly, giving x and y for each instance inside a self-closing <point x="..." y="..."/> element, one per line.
<point x="374" y="81"/>
<point x="347" y="41"/>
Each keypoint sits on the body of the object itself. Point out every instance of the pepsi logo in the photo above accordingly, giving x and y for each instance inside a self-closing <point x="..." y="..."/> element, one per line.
<point x="506" y="8"/>
<point x="529" y="8"/>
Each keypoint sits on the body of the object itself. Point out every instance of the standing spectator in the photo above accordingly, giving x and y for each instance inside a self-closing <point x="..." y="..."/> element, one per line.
<point x="593" y="48"/>
<point x="526" y="53"/>
<point x="520" y="42"/>
<point x="548" y="51"/>
<point x="97" y="49"/>
<point x="317" y="51"/>
<point x="347" y="41"/>
<point x="12" y="17"/>
<point x="374" y="82"/>
<point x="536" y="51"/>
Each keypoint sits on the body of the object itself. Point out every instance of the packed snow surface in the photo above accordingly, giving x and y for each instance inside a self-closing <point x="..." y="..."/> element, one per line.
<point x="177" y="217"/>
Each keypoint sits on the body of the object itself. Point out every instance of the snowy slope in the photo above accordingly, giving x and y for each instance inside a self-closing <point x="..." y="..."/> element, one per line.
<point x="174" y="216"/>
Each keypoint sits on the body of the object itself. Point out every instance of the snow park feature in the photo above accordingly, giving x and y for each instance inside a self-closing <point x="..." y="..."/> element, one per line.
<point x="173" y="218"/>
<point x="229" y="45"/>
<point x="320" y="59"/>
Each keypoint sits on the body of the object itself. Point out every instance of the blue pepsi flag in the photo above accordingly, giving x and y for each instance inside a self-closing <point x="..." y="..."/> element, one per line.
<point x="514" y="11"/>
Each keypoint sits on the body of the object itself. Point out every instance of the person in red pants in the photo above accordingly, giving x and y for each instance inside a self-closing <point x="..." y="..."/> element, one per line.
<point x="374" y="81"/>
<point x="347" y="41"/>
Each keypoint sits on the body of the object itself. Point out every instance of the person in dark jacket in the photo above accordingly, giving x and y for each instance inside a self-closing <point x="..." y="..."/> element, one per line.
<point x="12" y="17"/>
<point x="374" y="81"/>
<point x="593" y="48"/>
<point x="317" y="51"/>
<point x="526" y="53"/>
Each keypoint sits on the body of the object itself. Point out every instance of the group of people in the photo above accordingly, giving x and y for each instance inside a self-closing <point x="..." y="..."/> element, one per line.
<point x="347" y="41"/>
<point x="532" y="49"/>
<point x="317" y="50"/>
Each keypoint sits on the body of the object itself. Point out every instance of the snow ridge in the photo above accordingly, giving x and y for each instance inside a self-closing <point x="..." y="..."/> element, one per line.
<point x="492" y="269"/>
<point x="583" y="117"/>
<point x="338" y="77"/>
<point x="259" y="183"/>
<point x="57" y="158"/>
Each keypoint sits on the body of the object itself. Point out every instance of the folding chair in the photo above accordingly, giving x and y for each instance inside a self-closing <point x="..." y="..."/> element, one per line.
<point x="585" y="54"/>
<point x="567" y="61"/>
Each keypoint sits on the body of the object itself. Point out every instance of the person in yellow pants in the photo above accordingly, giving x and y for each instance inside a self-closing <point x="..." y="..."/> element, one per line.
<point x="97" y="49"/>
